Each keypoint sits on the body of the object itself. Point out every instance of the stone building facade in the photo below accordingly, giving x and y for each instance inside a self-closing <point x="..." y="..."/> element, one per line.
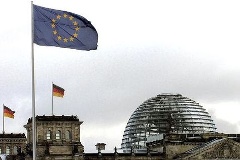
<point x="58" y="137"/>
<point x="123" y="156"/>
<point x="198" y="146"/>
<point x="12" y="144"/>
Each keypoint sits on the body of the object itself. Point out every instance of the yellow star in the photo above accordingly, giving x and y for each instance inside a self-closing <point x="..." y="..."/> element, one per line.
<point x="58" y="16"/>
<point x="53" y="25"/>
<point x="71" y="39"/>
<point x="65" y="15"/>
<point x="70" y="18"/>
<point x="53" y="20"/>
<point x="77" y="28"/>
<point x="55" y="32"/>
<point x="59" y="38"/>
<point x="75" y="35"/>
<point x="75" y="23"/>
<point x="65" y="40"/>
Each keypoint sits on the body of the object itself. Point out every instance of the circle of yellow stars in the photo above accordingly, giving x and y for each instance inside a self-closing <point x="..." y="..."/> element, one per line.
<point x="56" y="33"/>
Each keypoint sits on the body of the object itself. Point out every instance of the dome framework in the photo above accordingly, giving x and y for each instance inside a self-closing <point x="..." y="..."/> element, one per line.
<point x="165" y="113"/>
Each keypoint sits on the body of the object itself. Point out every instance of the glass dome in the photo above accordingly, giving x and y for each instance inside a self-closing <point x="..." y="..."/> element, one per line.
<point x="165" y="113"/>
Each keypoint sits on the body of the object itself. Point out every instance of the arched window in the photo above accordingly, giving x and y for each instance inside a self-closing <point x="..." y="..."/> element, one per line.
<point x="68" y="135"/>
<point x="58" y="134"/>
<point x="7" y="150"/>
<point x="15" y="150"/>
<point x="49" y="134"/>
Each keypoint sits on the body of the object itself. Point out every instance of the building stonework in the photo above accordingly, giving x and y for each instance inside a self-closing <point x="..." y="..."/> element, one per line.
<point x="123" y="156"/>
<point x="12" y="143"/>
<point x="58" y="137"/>
<point x="168" y="126"/>
<point x="175" y="149"/>
<point x="200" y="146"/>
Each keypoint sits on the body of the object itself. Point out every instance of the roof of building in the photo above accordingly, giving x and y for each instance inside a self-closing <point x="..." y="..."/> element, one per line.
<point x="206" y="150"/>
<point x="55" y="118"/>
<point x="166" y="113"/>
<point x="12" y="135"/>
<point x="156" y="154"/>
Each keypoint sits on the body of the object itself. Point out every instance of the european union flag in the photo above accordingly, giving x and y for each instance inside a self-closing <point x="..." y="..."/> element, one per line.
<point x="63" y="29"/>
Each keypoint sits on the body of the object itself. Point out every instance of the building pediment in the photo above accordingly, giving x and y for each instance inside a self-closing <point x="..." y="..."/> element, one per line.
<point x="220" y="149"/>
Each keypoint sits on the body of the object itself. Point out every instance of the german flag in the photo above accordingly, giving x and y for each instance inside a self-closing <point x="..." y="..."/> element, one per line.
<point x="8" y="112"/>
<point x="58" y="91"/>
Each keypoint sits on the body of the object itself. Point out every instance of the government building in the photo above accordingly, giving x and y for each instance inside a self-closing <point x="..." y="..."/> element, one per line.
<point x="168" y="126"/>
<point x="58" y="137"/>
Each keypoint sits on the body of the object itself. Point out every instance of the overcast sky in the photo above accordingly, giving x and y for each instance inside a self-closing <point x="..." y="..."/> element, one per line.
<point x="145" y="48"/>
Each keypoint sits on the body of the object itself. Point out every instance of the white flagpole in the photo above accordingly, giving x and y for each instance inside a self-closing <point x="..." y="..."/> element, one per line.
<point x="52" y="98"/>
<point x="3" y="119"/>
<point x="33" y="90"/>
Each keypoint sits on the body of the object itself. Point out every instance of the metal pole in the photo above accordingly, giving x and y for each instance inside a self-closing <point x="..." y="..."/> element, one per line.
<point x="52" y="98"/>
<point x="33" y="89"/>
<point x="3" y="119"/>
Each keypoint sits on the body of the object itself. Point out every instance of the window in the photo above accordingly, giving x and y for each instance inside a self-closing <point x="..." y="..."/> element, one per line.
<point x="0" y="150"/>
<point x="49" y="134"/>
<point x="58" y="134"/>
<point x="68" y="135"/>
<point x="15" y="150"/>
<point x="7" y="150"/>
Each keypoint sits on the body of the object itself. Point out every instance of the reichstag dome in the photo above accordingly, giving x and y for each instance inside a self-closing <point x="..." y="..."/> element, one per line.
<point x="165" y="113"/>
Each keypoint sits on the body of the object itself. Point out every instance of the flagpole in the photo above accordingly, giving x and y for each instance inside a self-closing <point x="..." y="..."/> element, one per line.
<point x="3" y="119"/>
<point x="52" y="98"/>
<point x="33" y="90"/>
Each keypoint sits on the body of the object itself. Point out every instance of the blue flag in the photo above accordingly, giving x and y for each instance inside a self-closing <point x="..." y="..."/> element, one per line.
<point x="63" y="29"/>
